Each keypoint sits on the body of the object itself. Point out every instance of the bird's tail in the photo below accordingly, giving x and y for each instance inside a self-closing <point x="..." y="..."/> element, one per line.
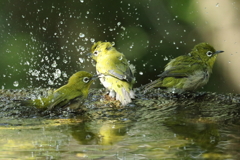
<point x="125" y="95"/>
<point x="25" y="102"/>
<point x="153" y="84"/>
<point x="38" y="103"/>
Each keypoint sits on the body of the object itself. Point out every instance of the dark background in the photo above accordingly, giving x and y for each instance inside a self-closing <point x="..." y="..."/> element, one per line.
<point x="43" y="38"/>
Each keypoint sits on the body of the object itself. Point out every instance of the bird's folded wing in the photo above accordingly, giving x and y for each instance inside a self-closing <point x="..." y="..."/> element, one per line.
<point x="119" y="70"/>
<point x="180" y="71"/>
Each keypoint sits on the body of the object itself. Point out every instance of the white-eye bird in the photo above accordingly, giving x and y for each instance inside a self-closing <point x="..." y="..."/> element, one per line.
<point x="114" y="71"/>
<point x="77" y="86"/>
<point x="187" y="72"/>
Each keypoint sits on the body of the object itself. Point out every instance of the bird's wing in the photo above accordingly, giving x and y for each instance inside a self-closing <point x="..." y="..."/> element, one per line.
<point x="119" y="69"/>
<point x="181" y="70"/>
<point x="57" y="100"/>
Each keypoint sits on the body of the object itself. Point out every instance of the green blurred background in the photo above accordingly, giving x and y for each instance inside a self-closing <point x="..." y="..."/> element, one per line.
<point x="43" y="42"/>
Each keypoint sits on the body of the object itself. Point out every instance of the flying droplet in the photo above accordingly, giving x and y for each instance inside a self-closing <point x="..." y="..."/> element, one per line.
<point x="35" y="73"/>
<point x="54" y="64"/>
<point x="173" y="90"/>
<point x="92" y="40"/>
<point x="50" y="82"/>
<point x="57" y="74"/>
<point x="81" y="60"/>
<point x="141" y="73"/>
<point x="81" y="35"/>
<point x="26" y="63"/>
<point x="64" y="75"/>
<point x="65" y="61"/>
<point x="120" y="58"/>
<point x="15" y="83"/>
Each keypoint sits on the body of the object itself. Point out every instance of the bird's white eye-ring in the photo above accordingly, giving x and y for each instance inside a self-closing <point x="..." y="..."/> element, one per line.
<point x="209" y="53"/>
<point x="95" y="53"/>
<point x="86" y="79"/>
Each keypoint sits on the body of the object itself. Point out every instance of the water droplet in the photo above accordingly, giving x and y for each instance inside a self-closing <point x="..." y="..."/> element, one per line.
<point x="15" y="83"/>
<point x="81" y="35"/>
<point x="50" y="82"/>
<point x="141" y="73"/>
<point x="57" y="74"/>
<point x="119" y="23"/>
<point x="160" y="41"/>
<point x="177" y="48"/>
<point x="64" y="75"/>
<point x="173" y="90"/>
<point x="120" y="58"/>
<point x="92" y="40"/>
<point x="23" y="16"/>
<point x="54" y="64"/>
<point x="26" y="63"/>
<point x="165" y="58"/>
<point x="194" y="40"/>
<point x="35" y="73"/>
<point x="81" y="1"/>
<point x="65" y="61"/>
<point x="43" y="28"/>
<point x="131" y="46"/>
<point x="88" y="136"/>
<point x="81" y="60"/>
<point x="123" y="28"/>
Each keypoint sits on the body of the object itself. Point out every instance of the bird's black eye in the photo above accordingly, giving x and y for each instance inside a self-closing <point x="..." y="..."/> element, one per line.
<point x="209" y="53"/>
<point x="86" y="79"/>
<point x="95" y="53"/>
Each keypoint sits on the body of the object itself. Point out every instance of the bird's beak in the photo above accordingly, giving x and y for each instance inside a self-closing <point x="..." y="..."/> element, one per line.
<point x="94" y="77"/>
<point x="217" y="52"/>
<point x="89" y="54"/>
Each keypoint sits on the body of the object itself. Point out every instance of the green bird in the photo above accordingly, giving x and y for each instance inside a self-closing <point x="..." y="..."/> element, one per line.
<point x="77" y="86"/>
<point x="188" y="72"/>
<point x="115" y="72"/>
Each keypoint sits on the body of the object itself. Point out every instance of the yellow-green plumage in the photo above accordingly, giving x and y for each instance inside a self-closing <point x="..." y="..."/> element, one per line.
<point x="188" y="72"/>
<point x="114" y="71"/>
<point x="77" y="86"/>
